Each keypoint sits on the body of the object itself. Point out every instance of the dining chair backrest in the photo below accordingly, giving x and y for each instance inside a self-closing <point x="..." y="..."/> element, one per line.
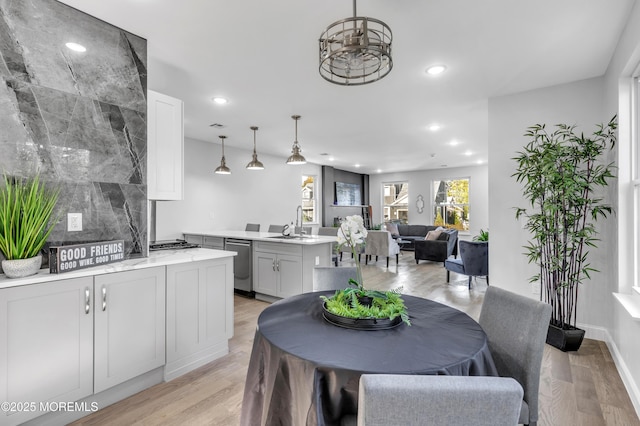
<point x="328" y="231"/>
<point x="252" y="227"/>
<point x="276" y="228"/>
<point x="380" y="243"/>
<point x="333" y="278"/>
<point x="412" y="400"/>
<point x="306" y="230"/>
<point x="516" y="328"/>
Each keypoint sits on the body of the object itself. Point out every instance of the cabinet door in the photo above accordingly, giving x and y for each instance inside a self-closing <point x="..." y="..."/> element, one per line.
<point x="165" y="142"/>
<point x="264" y="273"/>
<point x="289" y="275"/>
<point x="46" y="344"/>
<point x="129" y="325"/>
<point x="199" y="313"/>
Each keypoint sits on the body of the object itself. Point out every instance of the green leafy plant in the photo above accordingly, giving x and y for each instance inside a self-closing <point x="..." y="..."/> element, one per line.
<point x="561" y="172"/>
<point x="26" y="207"/>
<point x="384" y="304"/>
<point x="482" y="236"/>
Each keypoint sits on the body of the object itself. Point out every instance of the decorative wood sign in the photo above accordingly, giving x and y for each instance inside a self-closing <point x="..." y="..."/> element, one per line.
<point x="80" y="256"/>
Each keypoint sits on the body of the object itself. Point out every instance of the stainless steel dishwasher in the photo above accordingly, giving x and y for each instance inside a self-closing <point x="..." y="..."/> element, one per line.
<point x="242" y="266"/>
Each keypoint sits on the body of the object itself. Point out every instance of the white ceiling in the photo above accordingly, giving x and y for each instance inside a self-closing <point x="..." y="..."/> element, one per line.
<point x="263" y="57"/>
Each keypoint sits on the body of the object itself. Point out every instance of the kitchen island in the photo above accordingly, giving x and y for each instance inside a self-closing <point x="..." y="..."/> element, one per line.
<point x="94" y="336"/>
<point x="279" y="266"/>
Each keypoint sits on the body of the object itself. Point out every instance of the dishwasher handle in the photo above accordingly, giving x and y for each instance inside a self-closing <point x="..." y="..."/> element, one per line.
<point x="245" y="243"/>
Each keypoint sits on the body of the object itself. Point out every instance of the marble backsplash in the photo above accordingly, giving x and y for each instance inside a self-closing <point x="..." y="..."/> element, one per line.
<point x="77" y="118"/>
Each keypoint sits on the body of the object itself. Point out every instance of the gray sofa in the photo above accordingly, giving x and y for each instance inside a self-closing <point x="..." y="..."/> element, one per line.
<point x="413" y="237"/>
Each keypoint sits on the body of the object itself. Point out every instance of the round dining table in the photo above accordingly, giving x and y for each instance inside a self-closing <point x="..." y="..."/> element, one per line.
<point x="305" y="370"/>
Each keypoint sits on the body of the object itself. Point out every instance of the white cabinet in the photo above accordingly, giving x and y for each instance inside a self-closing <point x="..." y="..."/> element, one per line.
<point x="205" y="241"/>
<point x="278" y="269"/>
<point x="46" y="345"/>
<point x="199" y="314"/>
<point x="129" y="325"/>
<point x="165" y="147"/>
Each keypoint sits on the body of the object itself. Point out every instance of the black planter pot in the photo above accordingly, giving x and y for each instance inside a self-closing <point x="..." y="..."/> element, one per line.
<point x="566" y="339"/>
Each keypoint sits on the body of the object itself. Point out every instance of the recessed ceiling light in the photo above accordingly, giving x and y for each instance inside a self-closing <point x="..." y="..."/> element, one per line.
<point x="468" y="153"/>
<point x="453" y="142"/>
<point x="379" y="171"/>
<point x="436" y="69"/>
<point x="219" y="100"/>
<point x="76" y="47"/>
<point x="434" y="127"/>
<point x="356" y="165"/>
<point x="479" y="162"/>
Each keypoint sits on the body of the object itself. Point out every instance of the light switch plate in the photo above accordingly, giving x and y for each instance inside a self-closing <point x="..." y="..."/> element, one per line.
<point x="74" y="221"/>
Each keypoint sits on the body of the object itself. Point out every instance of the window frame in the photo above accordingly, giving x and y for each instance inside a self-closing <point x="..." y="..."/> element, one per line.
<point x="434" y="204"/>
<point x="385" y="206"/>
<point x="313" y="199"/>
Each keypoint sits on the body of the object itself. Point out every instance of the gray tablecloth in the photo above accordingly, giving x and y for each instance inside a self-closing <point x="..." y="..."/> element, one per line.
<point x="305" y="371"/>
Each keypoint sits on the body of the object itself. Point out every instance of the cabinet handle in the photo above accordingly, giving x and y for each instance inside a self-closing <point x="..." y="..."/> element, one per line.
<point x="278" y="266"/>
<point x="273" y="265"/>
<point x="104" y="298"/>
<point x="87" y="300"/>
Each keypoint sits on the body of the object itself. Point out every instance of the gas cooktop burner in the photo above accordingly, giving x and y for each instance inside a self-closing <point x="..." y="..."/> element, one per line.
<point x="171" y="245"/>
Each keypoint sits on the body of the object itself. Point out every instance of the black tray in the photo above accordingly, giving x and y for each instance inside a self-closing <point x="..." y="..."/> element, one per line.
<point x="360" y="323"/>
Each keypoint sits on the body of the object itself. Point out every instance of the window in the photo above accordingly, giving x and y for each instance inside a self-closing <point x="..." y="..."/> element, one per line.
<point x="451" y="203"/>
<point x="308" y="199"/>
<point x="396" y="202"/>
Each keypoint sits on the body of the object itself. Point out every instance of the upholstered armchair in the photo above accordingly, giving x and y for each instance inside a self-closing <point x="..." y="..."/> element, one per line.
<point x="380" y="243"/>
<point x="474" y="260"/>
<point x="438" y="250"/>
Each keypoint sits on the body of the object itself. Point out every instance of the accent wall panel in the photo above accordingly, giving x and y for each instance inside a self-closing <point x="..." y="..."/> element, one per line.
<point x="77" y="118"/>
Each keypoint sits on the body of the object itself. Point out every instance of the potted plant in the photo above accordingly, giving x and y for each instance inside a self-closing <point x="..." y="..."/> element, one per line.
<point x="26" y="207"/>
<point x="561" y="172"/>
<point x="482" y="236"/>
<point x="355" y="306"/>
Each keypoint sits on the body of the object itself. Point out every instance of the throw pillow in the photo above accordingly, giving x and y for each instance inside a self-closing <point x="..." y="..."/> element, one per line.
<point x="433" y="235"/>
<point x="392" y="228"/>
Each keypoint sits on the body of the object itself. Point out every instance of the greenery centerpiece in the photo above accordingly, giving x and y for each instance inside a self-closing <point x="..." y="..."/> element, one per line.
<point x="355" y="301"/>
<point x="25" y="221"/>
<point x="561" y="172"/>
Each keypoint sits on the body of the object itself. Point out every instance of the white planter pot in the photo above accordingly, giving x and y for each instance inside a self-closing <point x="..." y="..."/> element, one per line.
<point x="19" y="268"/>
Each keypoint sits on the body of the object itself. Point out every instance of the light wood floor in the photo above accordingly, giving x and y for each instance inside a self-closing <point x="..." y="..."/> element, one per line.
<point x="580" y="388"/>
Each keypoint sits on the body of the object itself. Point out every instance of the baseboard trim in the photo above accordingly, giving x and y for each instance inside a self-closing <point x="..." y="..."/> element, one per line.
<point x="602" y="334"/>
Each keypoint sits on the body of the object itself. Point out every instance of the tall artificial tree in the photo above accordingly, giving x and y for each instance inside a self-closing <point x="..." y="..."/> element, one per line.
<point x="561" y="172"/>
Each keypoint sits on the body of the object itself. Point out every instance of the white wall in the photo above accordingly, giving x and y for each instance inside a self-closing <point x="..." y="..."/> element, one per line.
<point x="509" y="116"/>
<point x="420" y="184"/>
<point x="223" y="202"/>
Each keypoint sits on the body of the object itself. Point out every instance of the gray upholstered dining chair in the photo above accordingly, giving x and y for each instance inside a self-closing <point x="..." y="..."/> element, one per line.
<point x="252" y="227"/>
<point x="332" y="278"/>
<point x="516" y="328"/>
<point x="276" y="228"/>
<point x="412" y="400"/>
<point x="380" y="243"/>
<point x="473" y="260"/>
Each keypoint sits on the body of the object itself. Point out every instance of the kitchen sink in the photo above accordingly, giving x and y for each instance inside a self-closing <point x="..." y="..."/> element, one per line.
<point x="291" y="237"/>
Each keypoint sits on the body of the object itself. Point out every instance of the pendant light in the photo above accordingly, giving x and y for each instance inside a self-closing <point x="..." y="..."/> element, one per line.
<point x="255" y="164"/>
<point x="296" y="157"/>
<point x="223" y="169"/>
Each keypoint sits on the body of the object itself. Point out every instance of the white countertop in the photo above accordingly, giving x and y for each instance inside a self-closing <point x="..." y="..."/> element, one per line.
<point x="266" y="236"/>
<point x="156" y="258"/>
